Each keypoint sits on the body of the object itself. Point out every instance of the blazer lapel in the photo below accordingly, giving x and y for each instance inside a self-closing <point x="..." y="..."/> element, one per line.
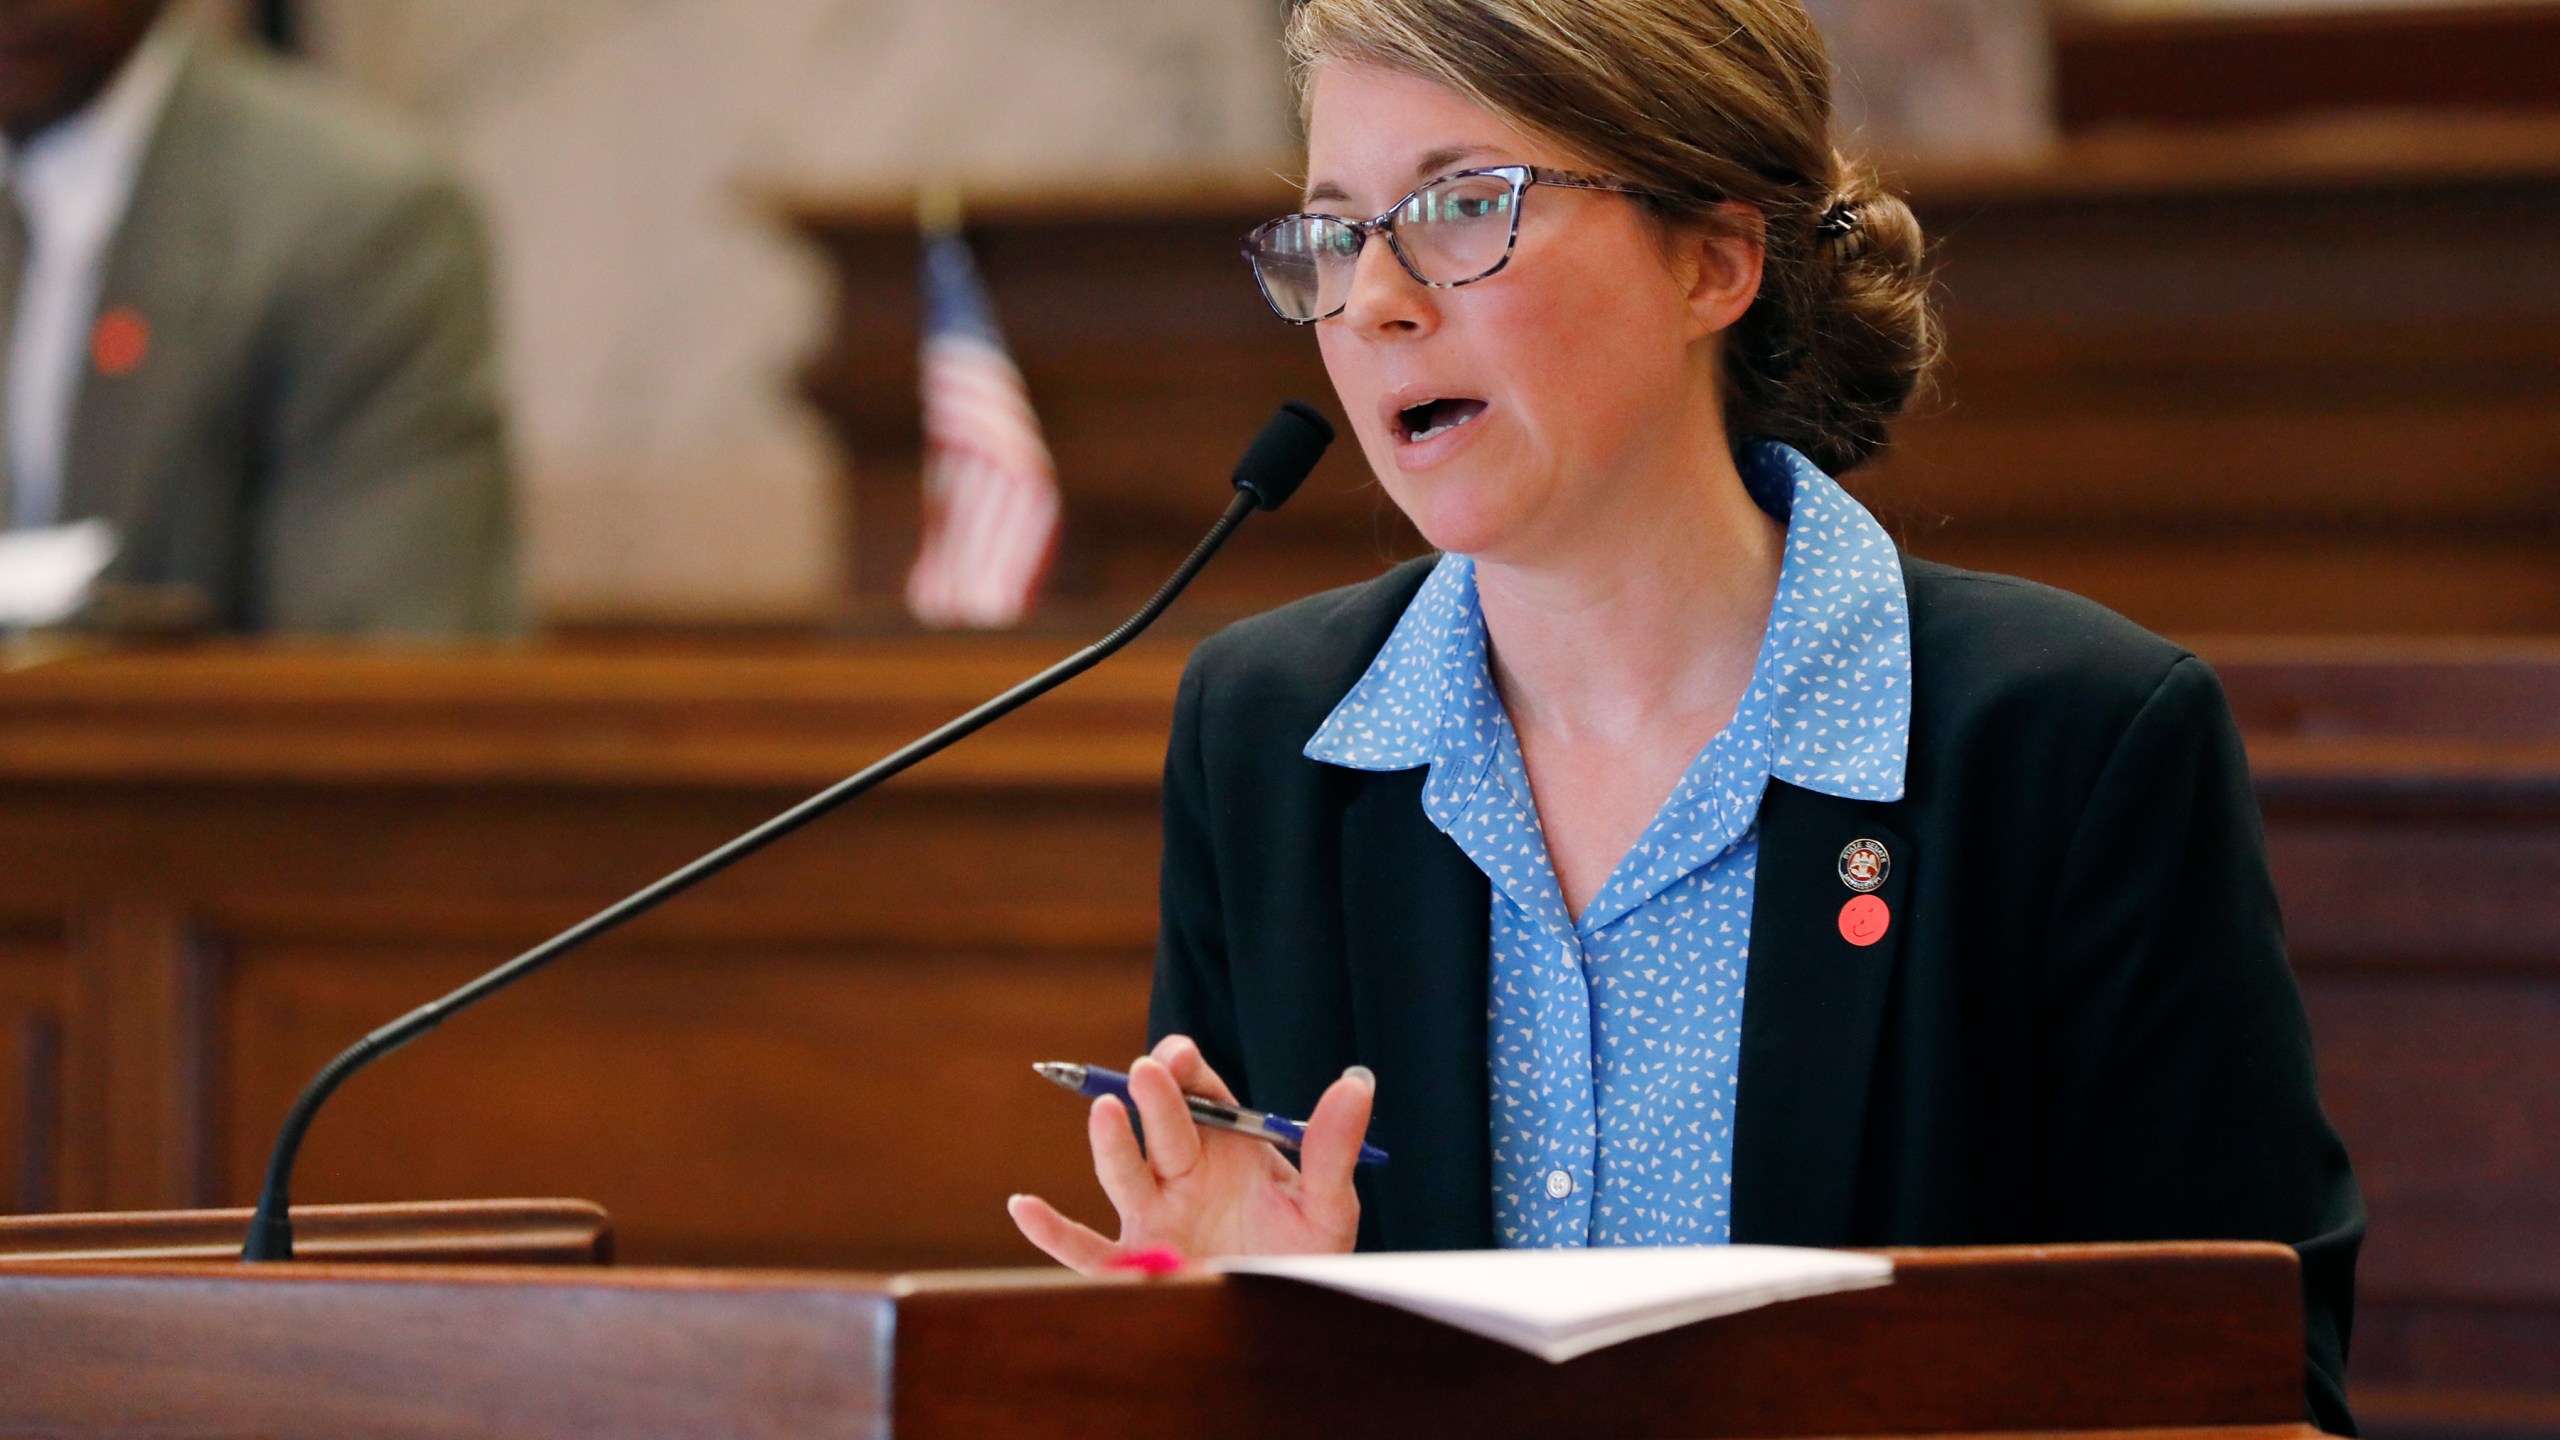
<point x="158" y="270"/>
<point x="1811" y="1017"/>
<point x="1417" y="914"/>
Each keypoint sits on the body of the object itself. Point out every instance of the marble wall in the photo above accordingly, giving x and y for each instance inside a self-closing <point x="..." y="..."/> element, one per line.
<point x="1948" y="80"/>
<point x="655" y="314"/>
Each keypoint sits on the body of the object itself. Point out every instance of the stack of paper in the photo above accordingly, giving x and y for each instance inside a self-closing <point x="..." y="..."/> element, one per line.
<point x="1557" y="1304"/>
<point x="46" y="575"/>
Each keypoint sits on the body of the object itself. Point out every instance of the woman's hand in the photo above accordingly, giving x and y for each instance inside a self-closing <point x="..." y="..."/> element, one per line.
<point x="1205" y="1193"/>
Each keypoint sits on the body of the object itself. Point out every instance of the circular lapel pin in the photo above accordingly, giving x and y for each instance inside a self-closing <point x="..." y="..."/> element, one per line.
<point x="1864" y="920"/>
<point x="1864" y="864"/>
<point x="120" y="341"/>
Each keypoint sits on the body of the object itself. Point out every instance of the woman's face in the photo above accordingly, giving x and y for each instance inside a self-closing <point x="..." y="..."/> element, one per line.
<point x="1506" y="416"/>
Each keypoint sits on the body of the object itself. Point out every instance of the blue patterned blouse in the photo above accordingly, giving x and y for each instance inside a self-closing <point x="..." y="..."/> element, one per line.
<point x="1614" y="1038"/>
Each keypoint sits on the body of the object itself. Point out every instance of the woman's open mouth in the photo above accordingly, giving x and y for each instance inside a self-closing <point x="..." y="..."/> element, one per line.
<point x="1417" y="423"/>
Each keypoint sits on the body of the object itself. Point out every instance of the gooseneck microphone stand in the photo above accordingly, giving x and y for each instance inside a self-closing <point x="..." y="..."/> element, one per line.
<point x="1272" y="467"/>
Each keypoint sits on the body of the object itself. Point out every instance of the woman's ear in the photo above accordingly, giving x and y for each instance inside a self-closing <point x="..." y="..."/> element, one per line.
<point x="1721" y="259"/>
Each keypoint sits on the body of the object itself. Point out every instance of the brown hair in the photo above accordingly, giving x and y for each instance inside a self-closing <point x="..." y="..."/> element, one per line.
<point x="1699" y="102"/>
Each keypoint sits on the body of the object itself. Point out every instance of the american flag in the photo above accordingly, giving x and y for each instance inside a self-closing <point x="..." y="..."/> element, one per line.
<point x="990" y="491"/>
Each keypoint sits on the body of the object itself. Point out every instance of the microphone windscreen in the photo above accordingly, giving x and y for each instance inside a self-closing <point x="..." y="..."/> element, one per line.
<point x="1281" y="456"/>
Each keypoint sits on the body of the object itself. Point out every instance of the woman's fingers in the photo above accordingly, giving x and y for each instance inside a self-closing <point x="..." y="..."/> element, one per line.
<point x="1191" y="1071"/>
<point x="1116" y="1161"/>
<point x="1173" y="1140"/>
<point x="1078" y="1247"/>
<point x="1332" y="1146"/>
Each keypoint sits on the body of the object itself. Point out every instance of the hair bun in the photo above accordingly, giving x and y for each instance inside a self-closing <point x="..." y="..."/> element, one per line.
<point x="1843" y="334"/>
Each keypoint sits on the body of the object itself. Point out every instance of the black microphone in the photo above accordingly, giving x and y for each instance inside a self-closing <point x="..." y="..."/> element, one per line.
<point x="1270" y="472"/>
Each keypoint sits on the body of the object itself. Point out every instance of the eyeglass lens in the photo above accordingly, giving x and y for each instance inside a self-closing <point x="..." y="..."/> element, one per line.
<point x="1446" y="233"/>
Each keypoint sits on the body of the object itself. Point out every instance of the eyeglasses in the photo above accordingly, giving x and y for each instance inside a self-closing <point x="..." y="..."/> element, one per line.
<point x="1454" y="231"/>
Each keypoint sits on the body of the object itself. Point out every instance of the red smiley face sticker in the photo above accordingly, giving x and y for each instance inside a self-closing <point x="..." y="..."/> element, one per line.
<point x="1864" y="920"/>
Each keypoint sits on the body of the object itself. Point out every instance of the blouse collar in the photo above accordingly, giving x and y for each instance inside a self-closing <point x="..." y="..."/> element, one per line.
<point x="1829" y="703"/>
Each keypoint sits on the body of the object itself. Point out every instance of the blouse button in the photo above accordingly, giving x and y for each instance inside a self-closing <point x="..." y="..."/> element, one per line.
<point x="1559" y="1184"/>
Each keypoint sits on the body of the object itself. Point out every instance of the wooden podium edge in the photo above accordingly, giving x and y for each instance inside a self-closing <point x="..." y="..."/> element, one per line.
<point x="2176" y="1338"/>
<point x="449" y="1232"/>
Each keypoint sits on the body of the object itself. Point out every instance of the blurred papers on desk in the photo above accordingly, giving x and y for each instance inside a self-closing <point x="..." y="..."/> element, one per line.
<point x="46" y="574"/>
<point x="1559" y="1304"/>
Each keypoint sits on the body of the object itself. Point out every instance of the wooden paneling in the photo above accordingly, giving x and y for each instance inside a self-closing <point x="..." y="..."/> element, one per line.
<point x="2412" y="801"/>
<point x="2307" y="408"/>
<point x="2226" y="69"/>
<point x="2459" y="1143"/>
<point x="2456" y="1371"/>
<point x="2302" y="380"/>
<point x="139" y="1036"/>
<point x="821" y="1058"/>
<point x="35" y="991"/>
<point x="102" y="1065"/>
<point x="712" y="718"/>
<point x="740" y="1103"/>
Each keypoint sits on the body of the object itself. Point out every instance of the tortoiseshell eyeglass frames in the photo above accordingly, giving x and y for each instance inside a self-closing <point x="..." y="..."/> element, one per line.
<point x="1454" y="231"/>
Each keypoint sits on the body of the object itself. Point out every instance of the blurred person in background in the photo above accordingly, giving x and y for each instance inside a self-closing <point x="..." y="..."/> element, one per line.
<point x="249" y="325"/>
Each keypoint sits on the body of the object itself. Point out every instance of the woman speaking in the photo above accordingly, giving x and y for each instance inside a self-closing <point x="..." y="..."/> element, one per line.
<point x="1672" y="861"/>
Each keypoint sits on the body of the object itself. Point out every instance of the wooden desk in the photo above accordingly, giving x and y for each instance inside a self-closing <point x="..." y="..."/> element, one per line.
<point x="218" y="866"/>
<point x="221" y="865"/>
<point x="2194" y="1342"/>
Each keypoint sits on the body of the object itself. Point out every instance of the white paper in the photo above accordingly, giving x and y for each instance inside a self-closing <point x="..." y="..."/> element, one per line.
<point x="1557" y="1304"/>
<point x="46" y="575"/>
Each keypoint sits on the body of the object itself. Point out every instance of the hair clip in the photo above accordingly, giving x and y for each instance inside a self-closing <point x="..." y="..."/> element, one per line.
<point x="1837" y="221"/>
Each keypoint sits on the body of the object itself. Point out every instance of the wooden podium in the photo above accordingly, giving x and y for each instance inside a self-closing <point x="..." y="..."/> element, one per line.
<point x="2190" y="1340"/>
<point x="434" y="1232"/>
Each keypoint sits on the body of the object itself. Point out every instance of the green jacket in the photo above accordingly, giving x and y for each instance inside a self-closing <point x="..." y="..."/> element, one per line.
<point x="312" y="437"/>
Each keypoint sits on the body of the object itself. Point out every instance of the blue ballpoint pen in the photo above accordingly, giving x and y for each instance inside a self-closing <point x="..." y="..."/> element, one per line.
<point x="1093" y="1080"/>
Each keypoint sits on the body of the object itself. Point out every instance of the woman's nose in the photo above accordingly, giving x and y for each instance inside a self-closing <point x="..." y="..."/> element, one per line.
<point x="1384" y="296"/>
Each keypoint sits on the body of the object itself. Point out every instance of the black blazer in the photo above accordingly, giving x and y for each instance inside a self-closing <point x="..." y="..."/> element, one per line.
<point x="2080" y="1025"/>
